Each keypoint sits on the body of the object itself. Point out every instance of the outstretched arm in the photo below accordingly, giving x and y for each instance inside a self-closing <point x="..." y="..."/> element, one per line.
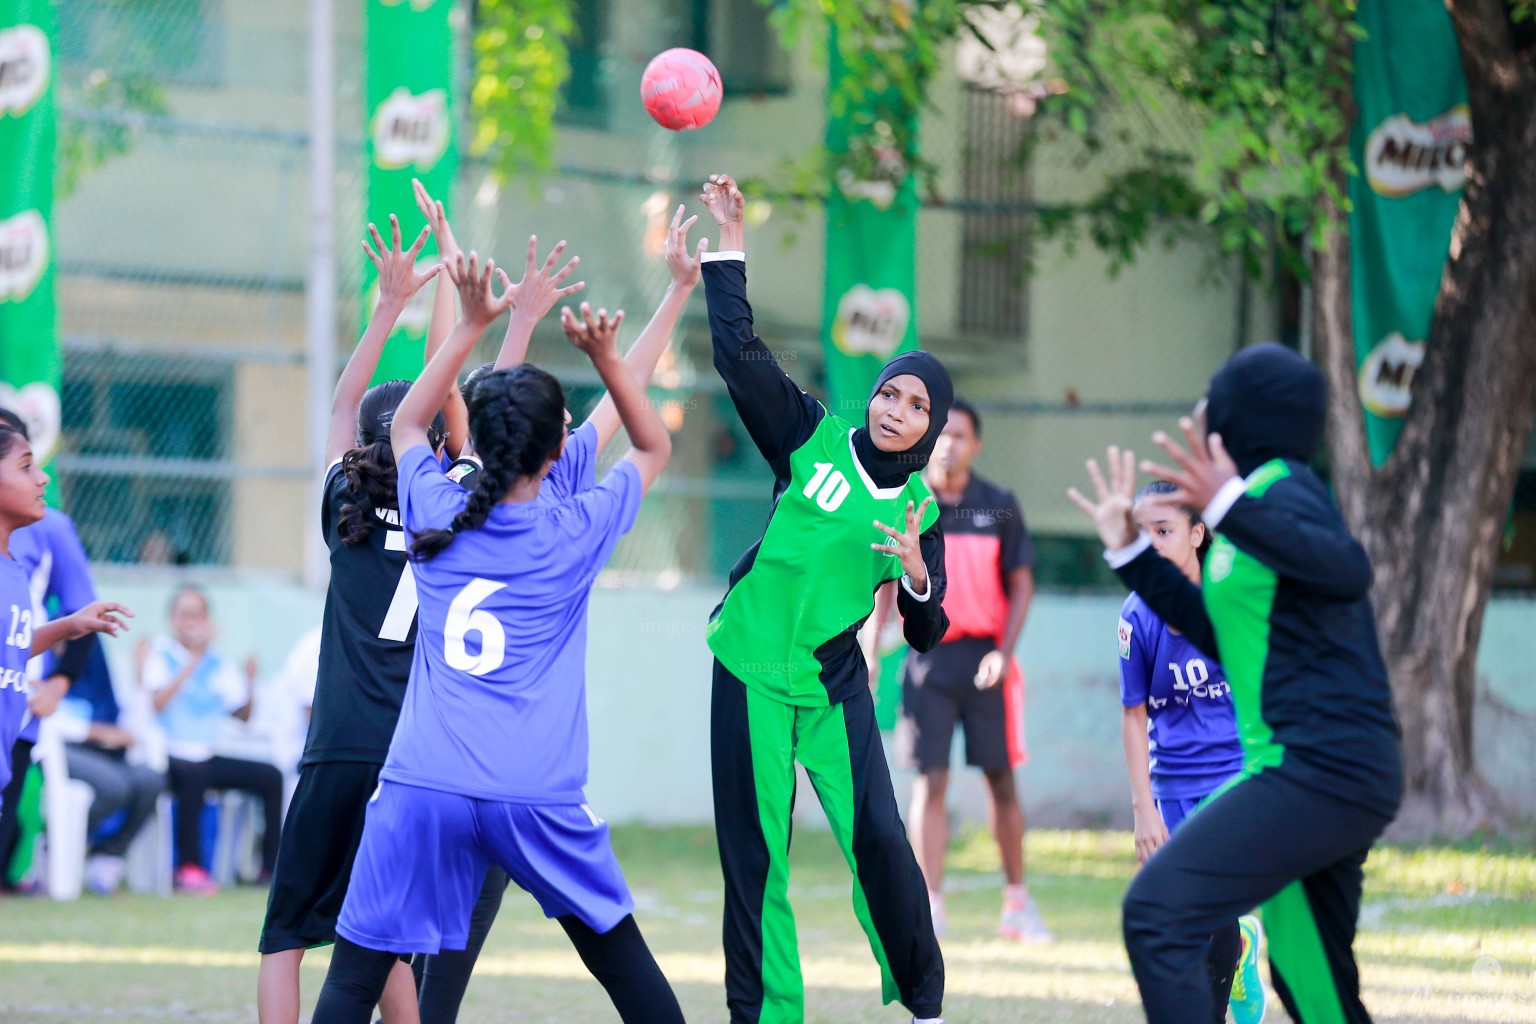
<point x="646" y="352"/>
<point x="480" y="307"/>
<point x="1287" y="525"/>
<point x="398" y="281"/>
<point x="455" y="415"/>
<point x="1165" y="589"/>
<point x="597" y="337"/>
<point x="777" y="414"/>
<point x="533" y="297"/>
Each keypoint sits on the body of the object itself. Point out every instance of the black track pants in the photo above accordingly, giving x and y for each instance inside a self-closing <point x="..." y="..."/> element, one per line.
<point x="1266" y="841"/>
<point x="754" y="744"/>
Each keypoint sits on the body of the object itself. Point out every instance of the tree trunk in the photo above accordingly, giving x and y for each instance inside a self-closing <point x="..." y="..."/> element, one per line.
<point x="1432" y="516"/>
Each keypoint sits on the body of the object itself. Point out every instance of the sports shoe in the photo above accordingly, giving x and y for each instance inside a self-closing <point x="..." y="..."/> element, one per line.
<point x="194" y="880"/>
<point x="939" y="915"/>
<point x="1247" y="1000"/>
<point x="1020" y="921"/>
<point x="104" y="873"/>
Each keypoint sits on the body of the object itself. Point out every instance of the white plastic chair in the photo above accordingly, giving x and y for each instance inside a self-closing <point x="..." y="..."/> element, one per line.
<point x="66" y="809"/>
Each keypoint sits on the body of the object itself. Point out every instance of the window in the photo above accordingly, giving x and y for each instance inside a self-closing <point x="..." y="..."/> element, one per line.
<point x="143" y="467"/>
<point x="584" y="100"/>
<point x="737" y="37"/>
<point x="178" y="41"/>
<point x="995" y="235"/>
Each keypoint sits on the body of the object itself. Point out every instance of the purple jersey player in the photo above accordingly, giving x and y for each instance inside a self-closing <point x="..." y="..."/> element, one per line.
<point x="1180" y="735"/>
<point x="22" y="503"/>
<point x="489" y="759"/>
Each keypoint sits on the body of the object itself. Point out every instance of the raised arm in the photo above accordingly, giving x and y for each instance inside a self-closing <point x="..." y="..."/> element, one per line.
<point x="398" y="281"/>
<point x="480" y="307"/>
<point x="1289" y="526"/>
<point x="777" y="414"/>
<point x="598" y="338"/>
<point x="455" y="414"/>
<point x="533" y="297"/>
<point x="1161" y="585"/>
<point x="643" y="356"/>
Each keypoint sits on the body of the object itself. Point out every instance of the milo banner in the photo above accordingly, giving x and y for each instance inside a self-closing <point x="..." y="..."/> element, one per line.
<point x="29" y="348"/>
<point x="869" y="304"/>
<point x="1411" y="143"/>
<point x="409" y="57"/>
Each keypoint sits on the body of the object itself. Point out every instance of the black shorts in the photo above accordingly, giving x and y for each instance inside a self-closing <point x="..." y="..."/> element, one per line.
<point x="938" y="689"/>
<point x="314" y="861"/>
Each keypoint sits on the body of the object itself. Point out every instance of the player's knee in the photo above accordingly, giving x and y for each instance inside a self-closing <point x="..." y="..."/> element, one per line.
<point x="1001" y="782"/>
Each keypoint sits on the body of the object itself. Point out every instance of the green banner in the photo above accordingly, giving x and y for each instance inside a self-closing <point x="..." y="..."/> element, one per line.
<point x="869" y="304"/>
<point x="409" y="56"/>
<point x="1411" y="143"/>
<point x="29" y="348"/>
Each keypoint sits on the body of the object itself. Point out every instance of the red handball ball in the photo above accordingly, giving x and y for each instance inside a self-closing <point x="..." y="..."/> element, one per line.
<point x="681" y="89"/>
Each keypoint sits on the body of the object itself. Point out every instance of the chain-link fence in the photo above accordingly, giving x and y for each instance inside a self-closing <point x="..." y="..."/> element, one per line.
<point x="183" y="262"/>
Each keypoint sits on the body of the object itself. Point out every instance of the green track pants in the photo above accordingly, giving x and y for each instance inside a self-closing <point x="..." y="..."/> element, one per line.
<point x="755" y="742"/>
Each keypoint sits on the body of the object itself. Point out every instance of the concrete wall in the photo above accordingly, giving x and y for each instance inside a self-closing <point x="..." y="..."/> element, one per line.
<point x="648" y="683"/>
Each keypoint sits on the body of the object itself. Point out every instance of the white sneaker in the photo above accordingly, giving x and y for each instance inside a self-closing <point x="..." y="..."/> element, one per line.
<point x="937" y="912"/>
<point x="1020" y="921"/>
<point x="927" y="1020"/>
<point x="104" y="873"/>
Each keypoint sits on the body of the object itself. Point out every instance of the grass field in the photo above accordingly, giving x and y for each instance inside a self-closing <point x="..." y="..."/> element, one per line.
<point x="1448" y="934"/>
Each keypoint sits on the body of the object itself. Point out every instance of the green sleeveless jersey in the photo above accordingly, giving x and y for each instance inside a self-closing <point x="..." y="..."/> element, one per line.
<point x="788" y="625"/>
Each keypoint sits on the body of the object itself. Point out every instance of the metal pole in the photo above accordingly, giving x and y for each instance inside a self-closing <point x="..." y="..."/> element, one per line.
<point x="320" y="283"/>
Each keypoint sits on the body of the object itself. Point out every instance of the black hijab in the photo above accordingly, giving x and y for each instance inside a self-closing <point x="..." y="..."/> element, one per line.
<point x="1267" y="402"/>
<point x="891" y="469"/>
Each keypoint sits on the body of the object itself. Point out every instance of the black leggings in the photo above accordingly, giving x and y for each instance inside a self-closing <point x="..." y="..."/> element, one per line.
<point x="442" y="978"/>
<point x="619" y="959"/>
<point x="191" y="780"/>
<point x="10" y="824"/>
<point x="1273" y="839"/>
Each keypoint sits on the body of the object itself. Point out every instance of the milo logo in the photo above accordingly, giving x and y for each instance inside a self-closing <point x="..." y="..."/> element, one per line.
<point x="38" y="406"/>
<point x="1403" y="157"/>
<point x="870" y="322"/>
<point x="23" y="255"/>
<point x="1386" y="375"/>
<point x="25" y="64"/>
<point x="409" y="129"/>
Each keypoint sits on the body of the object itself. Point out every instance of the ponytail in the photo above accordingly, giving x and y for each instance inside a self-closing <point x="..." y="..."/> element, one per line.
<point x="517" y="418"/>
<point x="372" y="478"/>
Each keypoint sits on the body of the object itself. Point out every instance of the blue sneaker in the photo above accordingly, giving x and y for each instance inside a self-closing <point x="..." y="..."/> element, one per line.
<point x="1247" y="1001"/>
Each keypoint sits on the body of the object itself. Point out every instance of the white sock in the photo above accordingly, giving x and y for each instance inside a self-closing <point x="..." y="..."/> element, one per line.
<point x="927" y="1020"/>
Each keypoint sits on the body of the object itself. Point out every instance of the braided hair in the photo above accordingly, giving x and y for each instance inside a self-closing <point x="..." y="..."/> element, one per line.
<point x="517" y="418"/>
<point x="370" y="469"/>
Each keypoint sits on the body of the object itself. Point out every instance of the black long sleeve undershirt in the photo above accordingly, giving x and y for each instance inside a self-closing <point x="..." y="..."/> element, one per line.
<point x="780" y="417"/>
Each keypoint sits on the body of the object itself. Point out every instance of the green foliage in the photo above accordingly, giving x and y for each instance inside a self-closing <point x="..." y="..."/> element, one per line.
<point x="521" y="61"/>
<point x="1266" y="87"/>
<point x="87" y="142"/>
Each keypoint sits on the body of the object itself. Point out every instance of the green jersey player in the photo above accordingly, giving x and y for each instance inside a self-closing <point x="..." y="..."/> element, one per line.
<point x="850" y="514"/>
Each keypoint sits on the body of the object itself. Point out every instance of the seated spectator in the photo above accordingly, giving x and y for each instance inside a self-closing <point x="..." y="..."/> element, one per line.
<point x="194" y="687"/>
<point x="96" y="749"/>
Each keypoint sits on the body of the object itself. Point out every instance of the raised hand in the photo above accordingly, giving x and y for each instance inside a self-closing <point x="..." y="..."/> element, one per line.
<point x="437" y="220"/>
<point x="908" y="547"/>
<point x="683" y="265"/>
<point x="1203" y="470"/>
<point x="539" y="290"/>
<point x="398" y="279"/>
<point x="723" y="199"/>
<point x="479" y="305"/>
<point x="1114" y="501"/>
<point x="598" y="336"/>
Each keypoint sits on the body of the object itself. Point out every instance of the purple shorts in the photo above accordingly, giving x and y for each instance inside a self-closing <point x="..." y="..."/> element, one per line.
<point x="424" y="854"/>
